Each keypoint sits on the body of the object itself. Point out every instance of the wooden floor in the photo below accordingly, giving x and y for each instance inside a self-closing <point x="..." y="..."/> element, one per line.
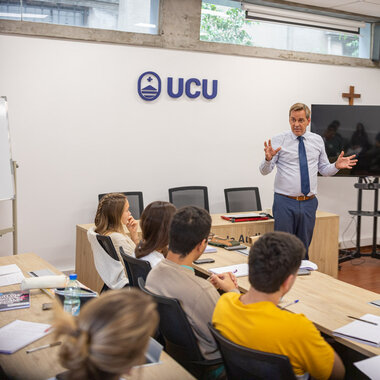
<point x="363" y="272"/>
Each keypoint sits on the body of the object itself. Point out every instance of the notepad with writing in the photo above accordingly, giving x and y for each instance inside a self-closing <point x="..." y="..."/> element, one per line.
<point x="18" y="334"/>
<point x="239" y="270"/>
<point x="361" y="331"/>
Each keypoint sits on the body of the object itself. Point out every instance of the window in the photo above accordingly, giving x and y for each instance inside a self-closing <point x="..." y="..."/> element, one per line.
<point x="223" y="21"/>
<point x="138" y="16"/>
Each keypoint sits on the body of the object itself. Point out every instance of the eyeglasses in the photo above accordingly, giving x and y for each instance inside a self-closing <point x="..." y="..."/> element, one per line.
<point x="210" y="236"/>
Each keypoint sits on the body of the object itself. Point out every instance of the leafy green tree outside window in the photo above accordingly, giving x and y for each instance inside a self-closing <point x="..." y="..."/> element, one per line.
<point x="227" y="28"/>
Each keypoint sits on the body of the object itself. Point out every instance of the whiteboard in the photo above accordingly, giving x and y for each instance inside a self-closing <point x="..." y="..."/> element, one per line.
<point x="7" y="190"/>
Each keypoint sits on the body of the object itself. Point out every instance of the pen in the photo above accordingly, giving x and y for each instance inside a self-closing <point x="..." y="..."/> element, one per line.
<point x="362" y="320"/>
<point x="43" y="347"/>
<point x="289" y="304"/>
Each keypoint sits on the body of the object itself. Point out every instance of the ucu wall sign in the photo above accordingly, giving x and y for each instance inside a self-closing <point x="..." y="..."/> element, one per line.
<point x="149" y="87"/>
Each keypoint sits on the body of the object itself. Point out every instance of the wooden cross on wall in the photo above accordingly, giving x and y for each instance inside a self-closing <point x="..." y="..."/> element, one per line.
<point x="351" y="95"/>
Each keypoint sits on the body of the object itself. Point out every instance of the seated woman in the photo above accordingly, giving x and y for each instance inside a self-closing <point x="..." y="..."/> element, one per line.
<point x="109" y="336"/>
<point x="154" y="222"/>
<point x="112" y="218"/>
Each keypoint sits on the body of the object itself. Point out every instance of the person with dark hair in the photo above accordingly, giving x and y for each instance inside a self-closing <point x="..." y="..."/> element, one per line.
<point x="174" y="276"/>
<point x="154" y="222"/>
<point x="255" y="320"/>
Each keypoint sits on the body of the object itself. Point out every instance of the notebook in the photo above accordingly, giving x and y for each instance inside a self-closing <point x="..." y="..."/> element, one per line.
<point x="243" y="217"/>
<point x="18" y="299"/>
<point x="18" y="334"/>
<point x="361" y="331"/>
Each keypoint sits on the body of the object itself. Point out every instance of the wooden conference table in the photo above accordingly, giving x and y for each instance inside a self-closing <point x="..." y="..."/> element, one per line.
<point x="43" y="364"/>
<point x="323" y="249"/>
<point x="323" y="299"/>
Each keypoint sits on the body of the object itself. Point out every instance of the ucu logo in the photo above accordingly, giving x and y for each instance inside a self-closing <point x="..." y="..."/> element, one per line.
<point x="149" y="87"/>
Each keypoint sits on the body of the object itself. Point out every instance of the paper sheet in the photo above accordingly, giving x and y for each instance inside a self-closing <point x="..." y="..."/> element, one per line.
<point x="239" y="270"/>
<point x="370" y="367"/>
<point x="10" y="274"/>
<point x="18" y="334"/>
<point x="361" y="331"/>
<point x="307" y="264"/>
<point x="210" y="249"/>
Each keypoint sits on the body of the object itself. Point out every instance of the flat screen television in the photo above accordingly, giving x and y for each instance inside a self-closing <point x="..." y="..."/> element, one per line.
<point x="353" y="129"/>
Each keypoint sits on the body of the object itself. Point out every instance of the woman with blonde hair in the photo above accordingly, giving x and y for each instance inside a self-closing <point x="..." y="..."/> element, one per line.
<point x="155" y="222"/>
<point x="109" y="336"/>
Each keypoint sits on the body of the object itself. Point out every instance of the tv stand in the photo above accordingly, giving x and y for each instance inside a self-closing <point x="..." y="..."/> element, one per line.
<point x="361" y="186"/>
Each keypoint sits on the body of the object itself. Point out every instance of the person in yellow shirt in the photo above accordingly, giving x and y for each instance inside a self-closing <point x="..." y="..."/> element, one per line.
<point x="255" y="320"/>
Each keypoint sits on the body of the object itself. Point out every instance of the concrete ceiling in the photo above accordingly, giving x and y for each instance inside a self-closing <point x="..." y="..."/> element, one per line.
<point x="363" y="7"/>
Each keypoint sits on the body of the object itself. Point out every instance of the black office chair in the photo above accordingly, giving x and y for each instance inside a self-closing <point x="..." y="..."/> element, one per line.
<point x="107" y="245"/>
<point x="240" y="199"/>
<point x="189" y="196"/>
<point x="136" y="202"/>
<point x="246" y="364"/>
<point x="180" y="341"/>
<point x="135" y="268"/>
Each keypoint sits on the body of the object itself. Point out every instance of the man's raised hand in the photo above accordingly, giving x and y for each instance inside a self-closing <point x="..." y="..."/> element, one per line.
<point x="269" y="151"/>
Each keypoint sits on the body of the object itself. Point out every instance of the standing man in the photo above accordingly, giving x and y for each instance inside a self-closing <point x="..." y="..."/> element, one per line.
<point x="298" y="155"/>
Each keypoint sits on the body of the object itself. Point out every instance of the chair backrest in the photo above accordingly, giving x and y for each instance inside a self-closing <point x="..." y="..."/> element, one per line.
<point x="244" y="363"/>
<point x="241" y="199"/>
<point x="136" y="202"/>
<point x="107" y="245"/>
<point x="135" y="268"/>
<point x="189" y="196"/>
<point x="180" y="341"/>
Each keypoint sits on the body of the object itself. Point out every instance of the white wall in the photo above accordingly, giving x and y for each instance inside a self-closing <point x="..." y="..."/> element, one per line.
<point x="78" y="128"/>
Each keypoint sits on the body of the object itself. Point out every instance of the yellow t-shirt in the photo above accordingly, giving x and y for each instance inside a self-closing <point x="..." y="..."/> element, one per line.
<point x="264" y="327"/>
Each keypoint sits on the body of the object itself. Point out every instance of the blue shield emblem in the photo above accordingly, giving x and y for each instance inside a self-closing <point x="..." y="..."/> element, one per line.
<point x="149" y="86"/>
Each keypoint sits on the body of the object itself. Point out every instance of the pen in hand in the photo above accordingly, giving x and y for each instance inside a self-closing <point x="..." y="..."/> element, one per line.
<point x="43" y="347"/>
<point x="289" y="304"/>
<point x="362" y="320"/>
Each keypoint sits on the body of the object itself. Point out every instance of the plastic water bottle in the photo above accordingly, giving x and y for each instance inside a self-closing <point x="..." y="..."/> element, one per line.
<point x="72" y="293"/>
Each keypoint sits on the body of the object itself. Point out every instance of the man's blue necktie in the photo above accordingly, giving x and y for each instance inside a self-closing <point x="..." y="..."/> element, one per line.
<point x="304" y="170"/>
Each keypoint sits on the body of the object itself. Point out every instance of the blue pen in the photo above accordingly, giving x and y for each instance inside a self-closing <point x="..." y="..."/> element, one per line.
<point x="289" y="304"/>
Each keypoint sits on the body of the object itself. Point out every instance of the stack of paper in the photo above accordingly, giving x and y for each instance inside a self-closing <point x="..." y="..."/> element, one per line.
<point x="309" y="265"/>
<point x="239" y="270"/>
<point x="18" y="334"/>
<point x="363" y="332"/>
<point x="10" y="274"/>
